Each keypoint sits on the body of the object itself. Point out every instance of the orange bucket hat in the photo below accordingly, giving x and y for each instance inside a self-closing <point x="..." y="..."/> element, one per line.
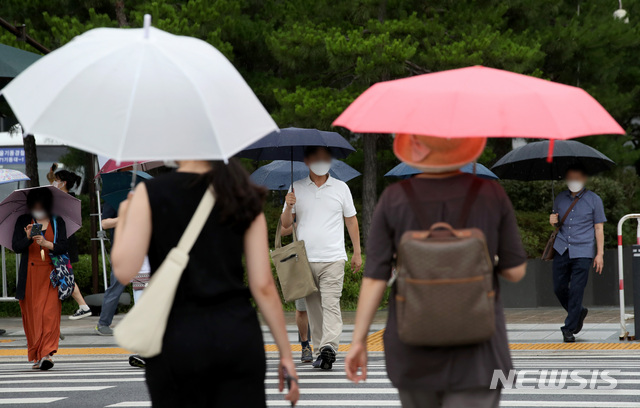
<point x="437" y="154"/>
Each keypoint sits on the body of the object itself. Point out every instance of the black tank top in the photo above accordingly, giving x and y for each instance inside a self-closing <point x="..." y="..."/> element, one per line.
<point x="215" y="273"/>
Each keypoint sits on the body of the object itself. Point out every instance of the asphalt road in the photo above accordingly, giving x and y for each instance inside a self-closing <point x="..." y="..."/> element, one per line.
<point x="110" y="382"/>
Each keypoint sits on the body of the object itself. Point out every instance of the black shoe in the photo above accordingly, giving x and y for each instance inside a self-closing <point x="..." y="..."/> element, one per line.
<point x="583" y="315"/>
<point x="317" y="363"/>
<point x="2" y="331"/>
<point x="568" y="337"/>
<point x="328" y="357"/>
<point x="137" y="361"/>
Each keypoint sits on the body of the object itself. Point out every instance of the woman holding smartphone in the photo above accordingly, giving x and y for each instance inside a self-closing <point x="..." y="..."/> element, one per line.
<point x="35" y="236"/>
<point x="212" y="316"/>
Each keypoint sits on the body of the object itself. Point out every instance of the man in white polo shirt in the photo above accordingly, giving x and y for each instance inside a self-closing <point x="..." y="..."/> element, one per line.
<point x="323" y="206"/>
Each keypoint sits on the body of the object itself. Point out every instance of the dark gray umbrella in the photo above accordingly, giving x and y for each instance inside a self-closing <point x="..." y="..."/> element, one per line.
<point x="529" y="162"/>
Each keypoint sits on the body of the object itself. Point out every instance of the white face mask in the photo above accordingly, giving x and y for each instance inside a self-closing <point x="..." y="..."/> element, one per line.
<point x="320" y="168"/>
<point x="172" y="164"/>
<point x="39" y="215"/>
<point x="57" y="184"/>
<point x="575" y="186"/>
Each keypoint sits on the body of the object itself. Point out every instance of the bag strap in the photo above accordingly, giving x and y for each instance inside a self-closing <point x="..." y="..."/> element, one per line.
<point x="466" y="206"/>
<point x="566" y="214"/>
<point x="199" y="219"/>
<point x="278" y="243"/>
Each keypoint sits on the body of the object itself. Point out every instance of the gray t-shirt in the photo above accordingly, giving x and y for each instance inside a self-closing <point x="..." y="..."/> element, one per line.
<point x="444" y="368"/>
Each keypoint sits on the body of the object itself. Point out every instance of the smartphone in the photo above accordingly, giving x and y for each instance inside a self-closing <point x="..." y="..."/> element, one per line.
<point x="36" y="229"/>
<point x="287" y="380"/>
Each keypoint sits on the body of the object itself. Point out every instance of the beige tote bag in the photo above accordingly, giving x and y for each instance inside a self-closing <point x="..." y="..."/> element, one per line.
<point x="142" y="329"/>
<point x="292" y="267"/>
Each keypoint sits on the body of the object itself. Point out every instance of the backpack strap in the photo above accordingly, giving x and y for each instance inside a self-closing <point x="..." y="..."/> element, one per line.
<point x="466" y="206"/>
<point x="55" y="229"/>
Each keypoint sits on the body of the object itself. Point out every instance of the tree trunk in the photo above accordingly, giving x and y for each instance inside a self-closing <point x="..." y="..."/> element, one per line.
<point x="369" y="182"/>
<point x="121" y="17"/>
<point x="31" y="160"/>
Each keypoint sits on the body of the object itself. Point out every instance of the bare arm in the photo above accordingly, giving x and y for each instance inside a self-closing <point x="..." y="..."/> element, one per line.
<point x="371" y="293"/>
<point x="132" y="237"/>
<point x="354" y="234"/>
<point x="598" y="262"/>
<point x="265" y="293"/>
<point x="109" y="223"/>
<point x="514" y="274"/>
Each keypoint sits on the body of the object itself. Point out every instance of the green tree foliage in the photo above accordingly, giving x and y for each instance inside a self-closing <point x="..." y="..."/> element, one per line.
<point x="307" y="61"/>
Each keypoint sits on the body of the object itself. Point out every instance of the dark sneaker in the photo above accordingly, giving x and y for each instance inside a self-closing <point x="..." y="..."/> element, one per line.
<point x="104" y="331"/>
<point x="328" y="357"/>
<point x="568" y="337"/>
<point x="318" y="362"/>
<point x="2" y="331"/>
<point x="137" y="361"/>
<point x="46" y="363"/>
<point x="80" y="314"/>
<point x="307" y="355"/>
<point x="581" y="322"/>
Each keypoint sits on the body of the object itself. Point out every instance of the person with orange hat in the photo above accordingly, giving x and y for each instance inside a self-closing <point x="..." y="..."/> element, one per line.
<point x="454" y="376"/>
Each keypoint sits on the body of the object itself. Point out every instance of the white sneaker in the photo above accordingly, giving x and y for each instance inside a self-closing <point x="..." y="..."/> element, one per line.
<point x="80" y="314"/>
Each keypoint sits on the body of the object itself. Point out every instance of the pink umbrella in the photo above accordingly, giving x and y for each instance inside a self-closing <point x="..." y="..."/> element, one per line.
<point x="111" y="165"/>
<point x="15" y="205"/>
<point x="478" y="102"/>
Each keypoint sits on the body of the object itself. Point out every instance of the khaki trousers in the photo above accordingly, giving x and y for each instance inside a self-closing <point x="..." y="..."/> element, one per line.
<point x="323" y="307"/>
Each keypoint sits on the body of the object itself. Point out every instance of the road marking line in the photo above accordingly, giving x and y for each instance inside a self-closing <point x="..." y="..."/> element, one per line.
<point x="16" y="401"/>
<point x="54" y="389"/>
<point x="569" y="404"/>
<point x="340" y="391"/>
<point x="74" y="381"/>
<point x="55" y="374"/>
<point x="335" y="381"/>
<point x="335" y="403"/>
<point x="132" y="404"/>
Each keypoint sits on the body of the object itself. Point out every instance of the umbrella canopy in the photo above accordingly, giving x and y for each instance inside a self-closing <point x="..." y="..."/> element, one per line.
<point x="277" y="174"/>
<point x="289" y="144"/>
<point x="13" y="61"/>
<point x="404" y="171"/>
<point x="116" y="186"/>
<point x="12" y="176"/>
<point x="140" y="94"/>
<point x="110" y="165"/>
<point x="528" y="163"/>
<point x="15" y="205"/>
<point x="478" y="102"/>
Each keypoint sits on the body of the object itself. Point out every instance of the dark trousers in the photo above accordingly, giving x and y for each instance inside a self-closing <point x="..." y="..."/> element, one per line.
<point x="569" y="280"/>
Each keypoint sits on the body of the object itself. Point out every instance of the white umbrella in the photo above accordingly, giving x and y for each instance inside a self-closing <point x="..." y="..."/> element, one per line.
<point x="139" y="94"/>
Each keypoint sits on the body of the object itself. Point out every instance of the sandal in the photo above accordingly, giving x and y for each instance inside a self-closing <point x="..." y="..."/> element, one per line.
<point x="46" y="363"/>
<point x="36" y="365"/>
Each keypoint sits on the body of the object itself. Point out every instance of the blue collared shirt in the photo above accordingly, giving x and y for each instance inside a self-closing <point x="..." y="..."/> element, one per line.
<point x="577" y="234"/>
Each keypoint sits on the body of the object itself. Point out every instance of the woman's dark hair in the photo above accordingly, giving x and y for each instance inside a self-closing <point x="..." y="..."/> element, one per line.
<point x="238" y="200"/>
<point x="72" y="179"/>
<point x="42" y="196"/>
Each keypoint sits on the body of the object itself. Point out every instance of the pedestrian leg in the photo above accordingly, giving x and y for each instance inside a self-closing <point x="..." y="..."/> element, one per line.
<point x="110" y="304"/>
<point x="331" y="288"/>
<point x="562" y="277"/>
<point x="314" y="310"/>
<point x="420" y="399"/>
<point x="471" y="398"/>
<point x="579" y="276"/>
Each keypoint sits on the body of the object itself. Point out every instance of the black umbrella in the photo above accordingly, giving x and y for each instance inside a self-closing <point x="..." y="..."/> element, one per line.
<point x="289" y="144"/>
<point x="529" y="162"/>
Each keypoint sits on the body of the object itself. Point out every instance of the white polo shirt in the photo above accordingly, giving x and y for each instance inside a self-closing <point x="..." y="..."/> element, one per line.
<point x="320" y="213"/>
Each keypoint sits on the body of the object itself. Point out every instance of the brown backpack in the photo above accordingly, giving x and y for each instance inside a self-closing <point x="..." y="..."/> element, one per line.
<point x="445" y="294"/>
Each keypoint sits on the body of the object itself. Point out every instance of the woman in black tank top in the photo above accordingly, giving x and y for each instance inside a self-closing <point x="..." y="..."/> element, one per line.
<point x="213" y="353"/>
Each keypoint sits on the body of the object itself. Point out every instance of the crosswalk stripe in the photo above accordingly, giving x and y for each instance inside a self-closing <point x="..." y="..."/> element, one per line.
<point x="73" y="381"/>
<point x="129" y="404"/>
<point x="54" y="389"/>
<point x="353" y="391"/>
<point x="333" y="381"/>
<point x="336" y="403"/>
<point x="570" y="404"/>
<point x="22" y="401"/>
<point x="83" y="374"/>
<point x="569" y="392"/>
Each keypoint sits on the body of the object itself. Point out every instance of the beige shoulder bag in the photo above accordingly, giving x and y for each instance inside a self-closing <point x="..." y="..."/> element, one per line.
<point x="142" y="329"/>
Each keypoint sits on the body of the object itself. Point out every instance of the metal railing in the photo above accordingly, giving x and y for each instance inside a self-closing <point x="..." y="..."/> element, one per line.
<point x="624" y="334"/>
